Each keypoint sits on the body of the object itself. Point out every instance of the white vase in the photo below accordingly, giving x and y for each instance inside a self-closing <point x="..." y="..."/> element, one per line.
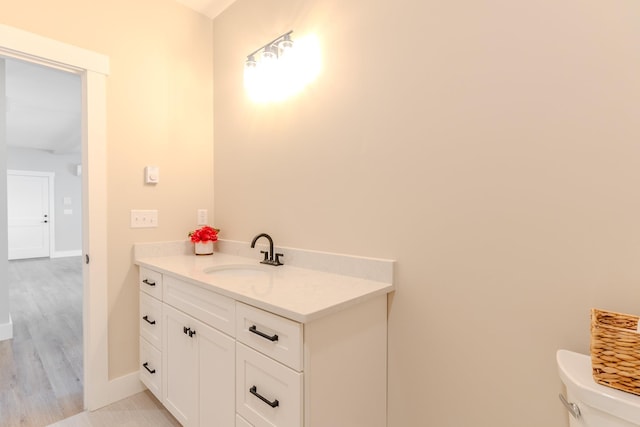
<point x="203" y="248"/>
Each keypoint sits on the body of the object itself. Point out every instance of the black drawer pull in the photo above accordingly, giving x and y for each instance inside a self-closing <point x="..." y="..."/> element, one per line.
<point x="149" y="282"/>
<point x="255" y="330"/>
<point x="253" y="390"/>
<point x="146" y="366"/>
<point x="151" y="322"/>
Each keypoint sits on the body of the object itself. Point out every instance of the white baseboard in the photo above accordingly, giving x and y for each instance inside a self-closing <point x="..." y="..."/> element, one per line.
<point x="124" y="386"/>
<point x="64" y="254"/>
<point x="6" y="330"/>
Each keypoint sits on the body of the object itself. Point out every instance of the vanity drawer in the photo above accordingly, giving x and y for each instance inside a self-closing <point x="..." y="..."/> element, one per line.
<point x="267" y="392"/>
<point x="213" y="309"/>
<point x="151" y="319"/>
<point x="150" y="367"/>
<point x="275" y="336"/>
<point x="241" y="422"/>
<point x="151" y="282"/>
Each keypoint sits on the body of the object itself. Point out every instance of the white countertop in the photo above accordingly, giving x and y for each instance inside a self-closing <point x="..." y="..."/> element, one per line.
<point x="299" y="294"/>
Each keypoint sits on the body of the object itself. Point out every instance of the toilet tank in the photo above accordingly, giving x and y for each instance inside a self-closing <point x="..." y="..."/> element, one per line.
<point x="599" y="406"/>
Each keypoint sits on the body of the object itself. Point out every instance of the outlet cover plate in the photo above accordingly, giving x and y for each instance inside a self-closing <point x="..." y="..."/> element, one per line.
<point x="203" y="217"/>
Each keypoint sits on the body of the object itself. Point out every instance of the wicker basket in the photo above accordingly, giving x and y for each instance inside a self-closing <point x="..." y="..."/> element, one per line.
<point x="615" y="350"/>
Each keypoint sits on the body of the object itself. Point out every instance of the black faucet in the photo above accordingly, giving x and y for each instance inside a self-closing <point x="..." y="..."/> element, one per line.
<point x="268" y="255"/>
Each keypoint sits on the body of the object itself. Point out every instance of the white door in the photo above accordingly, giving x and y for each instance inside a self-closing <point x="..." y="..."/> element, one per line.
<point x="29" y="218"/>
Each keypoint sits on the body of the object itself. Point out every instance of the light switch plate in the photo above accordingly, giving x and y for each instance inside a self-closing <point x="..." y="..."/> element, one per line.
<point x="144" y="218"/>
<point x="151" y="175"/>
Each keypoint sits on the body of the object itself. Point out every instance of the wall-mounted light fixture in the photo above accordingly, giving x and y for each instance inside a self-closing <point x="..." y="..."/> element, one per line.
<point x="279" y="69"/>
<point x="280" y="46"/>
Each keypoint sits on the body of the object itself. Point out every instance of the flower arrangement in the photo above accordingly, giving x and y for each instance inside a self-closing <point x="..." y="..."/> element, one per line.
<point x="204" y="234"/>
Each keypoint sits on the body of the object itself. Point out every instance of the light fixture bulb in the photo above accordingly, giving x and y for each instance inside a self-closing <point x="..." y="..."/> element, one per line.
<point x="250" y="62"/>
<point x="269" y="54"/>
<point x="250" y="72"/>
<point x="285" y="45"/>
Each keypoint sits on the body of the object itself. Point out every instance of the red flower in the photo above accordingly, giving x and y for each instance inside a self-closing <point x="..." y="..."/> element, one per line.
<point x="204" y="234"/>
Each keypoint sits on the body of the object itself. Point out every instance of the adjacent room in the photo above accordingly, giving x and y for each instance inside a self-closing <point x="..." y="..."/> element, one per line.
<point x="42" y="364"/>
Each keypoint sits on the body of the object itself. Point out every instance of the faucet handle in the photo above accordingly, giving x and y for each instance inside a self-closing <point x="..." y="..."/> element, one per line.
<point x="266" y="255"/>
<point x="277" y="260"/>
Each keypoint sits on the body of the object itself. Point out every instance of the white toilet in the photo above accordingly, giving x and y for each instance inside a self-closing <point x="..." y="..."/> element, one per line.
<point x="589" y="403"/>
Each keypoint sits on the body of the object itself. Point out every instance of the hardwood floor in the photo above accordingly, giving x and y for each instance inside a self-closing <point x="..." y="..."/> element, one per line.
<point x="41" y="367"/>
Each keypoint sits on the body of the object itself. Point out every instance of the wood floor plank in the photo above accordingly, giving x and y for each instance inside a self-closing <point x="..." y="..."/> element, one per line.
<point x="41" y="367"/>
<point x="8" y="373"/>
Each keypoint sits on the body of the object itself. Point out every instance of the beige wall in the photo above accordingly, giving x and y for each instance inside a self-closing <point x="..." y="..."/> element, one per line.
<point x="159" y="96"/>
<point x="491" y="148"/>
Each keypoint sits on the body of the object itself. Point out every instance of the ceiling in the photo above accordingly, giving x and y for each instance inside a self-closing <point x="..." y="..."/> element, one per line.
<point x="44" y="105"/>
<point x="44" y="108"/>
<point x="209" y="8"/>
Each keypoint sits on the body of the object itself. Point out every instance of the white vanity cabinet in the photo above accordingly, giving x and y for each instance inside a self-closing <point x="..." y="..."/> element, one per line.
<point x="223" y="362"/>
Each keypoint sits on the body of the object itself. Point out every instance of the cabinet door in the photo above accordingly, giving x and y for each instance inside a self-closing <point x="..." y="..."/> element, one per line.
<point x="216" y="362"/>
<point x="180" y="362"/>
<point x="199" y="361"/>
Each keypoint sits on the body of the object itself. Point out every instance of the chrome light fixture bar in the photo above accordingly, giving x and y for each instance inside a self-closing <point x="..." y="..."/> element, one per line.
<point x="271" y="50"/>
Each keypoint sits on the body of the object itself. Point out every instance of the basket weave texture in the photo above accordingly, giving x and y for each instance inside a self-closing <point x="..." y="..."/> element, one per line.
<point x="615" y="350"/>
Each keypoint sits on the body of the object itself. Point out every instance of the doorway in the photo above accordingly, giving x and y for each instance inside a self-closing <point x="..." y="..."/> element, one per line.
<point x="43" y="145"/>
<point x="93" y="69"/>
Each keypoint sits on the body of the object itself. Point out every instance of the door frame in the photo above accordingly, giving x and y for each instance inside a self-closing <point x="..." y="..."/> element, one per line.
<point x="93" y="69"/>
<point x="51" y="214"/>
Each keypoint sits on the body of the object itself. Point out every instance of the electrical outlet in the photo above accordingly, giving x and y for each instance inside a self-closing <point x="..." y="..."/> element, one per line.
<point x="144" y="218"/>
<point x="203" y="217"/>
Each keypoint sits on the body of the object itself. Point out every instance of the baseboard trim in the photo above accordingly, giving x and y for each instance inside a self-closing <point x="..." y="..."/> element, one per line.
<point x="124" y="386"/>
<point x="6" y="330"/>
<point x="65" y="254"/>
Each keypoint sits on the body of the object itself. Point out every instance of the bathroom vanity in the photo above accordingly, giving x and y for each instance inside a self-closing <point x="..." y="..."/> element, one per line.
<point x="227" y="341"/>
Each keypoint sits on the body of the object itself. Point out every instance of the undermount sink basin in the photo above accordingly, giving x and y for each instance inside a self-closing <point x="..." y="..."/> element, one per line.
<point x="237" y="270"/>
